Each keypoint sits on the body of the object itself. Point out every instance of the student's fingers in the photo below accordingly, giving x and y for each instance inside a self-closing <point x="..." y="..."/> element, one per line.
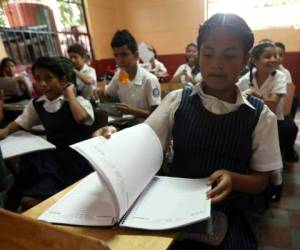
<point x="214" y="177"/>
<point x="219" y="197"/>
<point x="105" y="132"/>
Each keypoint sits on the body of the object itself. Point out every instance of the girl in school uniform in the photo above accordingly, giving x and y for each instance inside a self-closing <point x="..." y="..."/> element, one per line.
<point x="220" y="133"/>
<point x="66" y="119"/>
<point x="268" y="84"/>
<point x="188" y="73"/>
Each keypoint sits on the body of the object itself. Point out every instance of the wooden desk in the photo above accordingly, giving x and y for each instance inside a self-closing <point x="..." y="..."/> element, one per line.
<point x="116" y="237"/>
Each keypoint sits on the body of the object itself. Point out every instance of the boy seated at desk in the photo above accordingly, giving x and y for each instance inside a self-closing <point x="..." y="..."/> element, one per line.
<point x="137" y="89"/>
<point x="86" y="78"/>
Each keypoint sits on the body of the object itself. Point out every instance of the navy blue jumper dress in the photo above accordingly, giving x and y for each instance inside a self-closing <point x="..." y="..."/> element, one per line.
<point x="205" y="142"/>
<point x="44" y="173"/>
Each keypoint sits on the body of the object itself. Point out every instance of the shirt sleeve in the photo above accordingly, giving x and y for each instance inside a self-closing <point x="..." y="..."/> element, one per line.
<point x="88" y="108"/>
<point x="266" y="154"/>
<point x="243" y="83"/>
<point x="91" y="72"/>
<point x="153" y="92"/>
<point x="179" y="69"/>
<point x="113" y="86"/>
<point x="162" y="118"/>
<point x="29" y="117"/>
<point x="280" y="84"/>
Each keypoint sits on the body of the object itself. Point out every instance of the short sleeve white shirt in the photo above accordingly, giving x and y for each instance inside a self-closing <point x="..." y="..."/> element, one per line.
<point x="86" y="89"/>
<point x="30" y="118"/>
<point x="265" y="145"/>
<point x="274" y="84"/>
<point x="142" y="92"/>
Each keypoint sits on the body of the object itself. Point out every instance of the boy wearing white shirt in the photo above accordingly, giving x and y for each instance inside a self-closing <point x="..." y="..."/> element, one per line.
<point x="86" y="78"/>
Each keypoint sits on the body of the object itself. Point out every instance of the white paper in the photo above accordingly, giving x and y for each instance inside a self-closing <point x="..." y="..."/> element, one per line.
<point x="144" y="53"/>
<point x="88" y="204"/>
<point x="127" y="161"/>
<point x="22" y="142"/>
<point x="170" y="203"/>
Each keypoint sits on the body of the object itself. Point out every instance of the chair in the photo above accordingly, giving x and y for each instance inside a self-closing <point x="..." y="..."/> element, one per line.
<point x="168" y="87"/>
<point x="21" y="232"/>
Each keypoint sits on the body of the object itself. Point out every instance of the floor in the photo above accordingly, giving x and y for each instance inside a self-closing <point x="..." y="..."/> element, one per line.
<point x="279" y="228"/>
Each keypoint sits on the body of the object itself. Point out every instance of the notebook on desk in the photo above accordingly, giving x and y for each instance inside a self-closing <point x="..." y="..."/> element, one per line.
<point x="125" y="189"/>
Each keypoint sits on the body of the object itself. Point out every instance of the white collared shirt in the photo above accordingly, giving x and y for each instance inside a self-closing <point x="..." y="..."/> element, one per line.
<point x="286" y="72"/>
<point x="274" y="84"/>
<point x="30" y="118"/>
<point x="86" y="89"/>
<point x="265" y="145"/>
<point x="142" y="92"/>
<point x="158" y="69"/>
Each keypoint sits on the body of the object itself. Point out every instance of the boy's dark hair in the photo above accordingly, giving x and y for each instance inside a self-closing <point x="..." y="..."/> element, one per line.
<point x="58" y="66"/>
<point x="123" y="37"/>
<point x="230" y="21"/>
<point x="256" y="53"/>
<point x="280" y="45"/>
<point x="78" y="49"/>
<point x="5" y="61"/>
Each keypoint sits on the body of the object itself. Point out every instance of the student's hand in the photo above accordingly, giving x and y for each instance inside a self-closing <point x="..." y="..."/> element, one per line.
<point x="68" y="90"/>
<point x="105" y="131"/>
<point x="124" y="108"/>
<point x="4" y="133"/>
<point x="253" y="92"/>
<point x="98" y="93"/>
<point x="223" y="180"/>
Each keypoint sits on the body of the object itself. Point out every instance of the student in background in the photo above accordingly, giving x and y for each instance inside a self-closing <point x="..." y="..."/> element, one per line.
<point x="137" y="89"/>
<point x="155" y="67"/>
<point x="8" y="70"/>
<point x="288" y="125"/>
<point x="188" y="73"/>
<point x="267" y="83"/>
<point x="220" y="133"/>
<point x="86" y="78"/>
<point x="66" y="119"/>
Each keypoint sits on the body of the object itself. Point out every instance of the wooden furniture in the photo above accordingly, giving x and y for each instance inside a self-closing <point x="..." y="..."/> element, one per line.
<point x="169" y="86"/>
<point x="21" y="232"/>
<point x="115" y="237"/>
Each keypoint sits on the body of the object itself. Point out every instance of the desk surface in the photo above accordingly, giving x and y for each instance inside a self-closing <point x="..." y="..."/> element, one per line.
<point x="116" y="237"/>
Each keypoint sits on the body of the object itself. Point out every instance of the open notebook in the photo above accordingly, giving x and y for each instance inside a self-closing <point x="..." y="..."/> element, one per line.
<point x="125" y="189"/>
<point x="22" y="142"/>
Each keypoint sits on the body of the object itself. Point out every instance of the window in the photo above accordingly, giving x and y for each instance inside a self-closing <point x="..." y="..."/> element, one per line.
<point x="260" y="14"/>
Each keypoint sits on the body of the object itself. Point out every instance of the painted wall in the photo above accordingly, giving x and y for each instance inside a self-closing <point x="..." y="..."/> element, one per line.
<point x="168" y="25"/>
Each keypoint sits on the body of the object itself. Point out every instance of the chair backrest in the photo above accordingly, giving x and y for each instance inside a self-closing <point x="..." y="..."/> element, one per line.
<point x="101" y="119"/>
<point x="168" y="87"/>
<point x="21" y="232"/>
<point x="288" y="99"/>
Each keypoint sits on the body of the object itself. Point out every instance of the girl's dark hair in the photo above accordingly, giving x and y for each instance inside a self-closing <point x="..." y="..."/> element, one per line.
<point x="280" y="45"/>
<point x="229" y="21"/>
<point x="256" y="52"/>
<point x="77" y="49"/>
<point x="123" y="37"/>
<point x="5" y="61"/>
<point x="59" y="66"/>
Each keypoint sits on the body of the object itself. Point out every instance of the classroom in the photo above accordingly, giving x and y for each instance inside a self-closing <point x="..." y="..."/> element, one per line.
<point x="117" y="115"/>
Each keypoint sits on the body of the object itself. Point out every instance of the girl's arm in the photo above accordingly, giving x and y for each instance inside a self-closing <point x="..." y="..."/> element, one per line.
<point x="272" y="101"/>
<point x="227" y="181"/>
<point x="10" y="128"/>
<point x="79" y="113"/>
<point x="84" y="78"/>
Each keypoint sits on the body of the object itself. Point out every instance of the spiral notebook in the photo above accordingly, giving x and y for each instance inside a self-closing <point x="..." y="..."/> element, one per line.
<point x="125" y="189"/>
